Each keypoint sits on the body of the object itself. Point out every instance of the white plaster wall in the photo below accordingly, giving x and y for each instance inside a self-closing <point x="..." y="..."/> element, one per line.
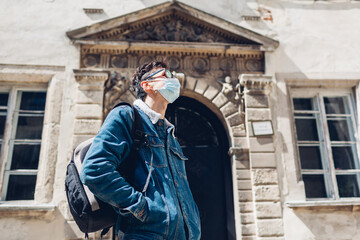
<point x="315" y="37"/>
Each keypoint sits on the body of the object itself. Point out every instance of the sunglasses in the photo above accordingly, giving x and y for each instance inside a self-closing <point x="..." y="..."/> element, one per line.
<point x="157" y="74"/>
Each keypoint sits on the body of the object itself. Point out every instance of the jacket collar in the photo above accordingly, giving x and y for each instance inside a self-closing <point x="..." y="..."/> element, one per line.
<point x="153" y="116"/>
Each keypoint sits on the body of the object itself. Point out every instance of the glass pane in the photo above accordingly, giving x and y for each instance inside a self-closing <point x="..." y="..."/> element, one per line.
<point x="29" y="127"/>
<point x="310" y="157"/>
<point x="21" y="187"/>
<point x="25" y="157"/>
<point x="343" y="158"/>
<point x="4" y="99"/>
<point x="33" y="101"/>
<point x="348" y="186"/>
<point x="314" y="186"/>
<point x="306" y="129"/>
<point x="2" y="126"/>
<point x="303" y="103"/>
<point x="335" y="105"/>
<point x="339" y="130"/>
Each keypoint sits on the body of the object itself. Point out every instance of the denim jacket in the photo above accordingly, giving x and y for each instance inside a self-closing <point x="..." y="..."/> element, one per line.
<point x="166" y="210"/>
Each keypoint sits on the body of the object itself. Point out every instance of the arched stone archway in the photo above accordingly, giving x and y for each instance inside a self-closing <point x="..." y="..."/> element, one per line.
<point x="229" y="122"/>
<point x="205" y="143"/>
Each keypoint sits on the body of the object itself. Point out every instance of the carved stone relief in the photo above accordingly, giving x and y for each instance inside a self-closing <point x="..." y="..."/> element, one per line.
<point x="227" y="64"/>
<point x="119" y="61"/>
<point x="198" y="65"/>
<point x="91" y="60"/>
<point x="116" y="85"/>
<point x="230" y="91"/>
<point x="173" y="27"/>
<point x="174" y="62"/>
<point x="253" y="65"/>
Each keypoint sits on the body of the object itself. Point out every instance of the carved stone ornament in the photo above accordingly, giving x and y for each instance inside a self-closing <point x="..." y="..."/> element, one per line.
<point x="256" y="83"/>
<point x="174" y="29"/>
<point x="174" y="62"/>
<point x="254" y="65"/>
<point x="145" y="59"/>
<point x="226" y="64"/>
<point x="120" y="61"/>
<point x="233" y="93"/>
<point x="200" y="64"/>
<point x="91" y="60"/>
<point x="115" y="86"/>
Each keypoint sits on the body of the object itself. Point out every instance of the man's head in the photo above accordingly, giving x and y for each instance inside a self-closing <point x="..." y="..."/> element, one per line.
<point x="140" y="75"/>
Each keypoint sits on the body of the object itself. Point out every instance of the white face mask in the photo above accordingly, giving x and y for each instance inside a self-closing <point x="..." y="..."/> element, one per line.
<point x="171" y="90"/>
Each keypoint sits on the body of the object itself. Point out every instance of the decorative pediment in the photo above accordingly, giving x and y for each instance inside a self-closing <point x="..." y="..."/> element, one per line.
<point x="171" y="22"/>
<point x="173" y="27"/>
<point x="193" y="42"/>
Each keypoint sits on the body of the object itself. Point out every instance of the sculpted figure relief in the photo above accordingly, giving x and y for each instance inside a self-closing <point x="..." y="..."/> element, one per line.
<point x="231" y="92"/>
<point x="175" y="30"/>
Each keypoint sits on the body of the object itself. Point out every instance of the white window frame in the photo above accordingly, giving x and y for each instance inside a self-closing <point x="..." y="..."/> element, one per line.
<point x="326" y="151"/>
<point x="9" y="136"/>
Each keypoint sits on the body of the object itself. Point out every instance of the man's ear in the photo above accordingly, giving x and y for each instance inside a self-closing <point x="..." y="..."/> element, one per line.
<point x="146" y="86"/>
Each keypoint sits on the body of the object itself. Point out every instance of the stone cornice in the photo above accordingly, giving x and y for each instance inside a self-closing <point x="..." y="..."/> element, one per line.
<point x="30" y="210"/>
<point x="21" y="73"/>
<point x="177" y="48"/>
<point x="256" y="82"/>
<point x="90" y="75"/>
<point x="90" y="79"/>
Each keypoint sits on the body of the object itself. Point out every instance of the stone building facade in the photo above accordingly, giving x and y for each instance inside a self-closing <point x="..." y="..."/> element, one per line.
<point x="273" y="87"/>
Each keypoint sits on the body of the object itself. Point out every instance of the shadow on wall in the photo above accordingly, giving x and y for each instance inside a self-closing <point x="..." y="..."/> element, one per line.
<point x="340" y="222"/>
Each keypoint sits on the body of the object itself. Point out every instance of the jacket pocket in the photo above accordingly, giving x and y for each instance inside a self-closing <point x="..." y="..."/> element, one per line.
<point x="154" y="153"/>
<point x="157" y="216"/>
<point x="179" y="160"/>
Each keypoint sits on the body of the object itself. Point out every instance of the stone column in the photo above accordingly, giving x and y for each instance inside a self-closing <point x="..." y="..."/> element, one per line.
<point x="88" y="104"/>
<point x="268" y="221"/>
<point x="88" y="110"/>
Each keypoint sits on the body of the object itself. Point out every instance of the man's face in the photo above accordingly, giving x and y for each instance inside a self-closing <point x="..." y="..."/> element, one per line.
<point x="156" y="76"/>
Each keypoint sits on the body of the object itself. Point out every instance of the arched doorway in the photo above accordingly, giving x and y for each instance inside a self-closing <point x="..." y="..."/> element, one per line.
<point x="203" y="140"/>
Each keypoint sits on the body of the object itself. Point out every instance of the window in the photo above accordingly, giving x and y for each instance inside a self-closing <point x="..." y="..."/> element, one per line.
<point x="21" y="124"/>
<point x="327" y="146"/>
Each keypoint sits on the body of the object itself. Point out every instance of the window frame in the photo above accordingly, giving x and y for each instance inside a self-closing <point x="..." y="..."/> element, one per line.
<point x="9" y="140"/>
<point x="331" y="186"/>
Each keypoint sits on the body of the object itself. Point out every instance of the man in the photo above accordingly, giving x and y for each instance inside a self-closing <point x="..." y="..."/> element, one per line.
<point x="166" y="208"/>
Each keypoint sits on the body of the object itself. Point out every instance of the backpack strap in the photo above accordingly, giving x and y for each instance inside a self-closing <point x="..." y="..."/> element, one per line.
<point x="137" y="132"/>
<point x="128" y="166"/>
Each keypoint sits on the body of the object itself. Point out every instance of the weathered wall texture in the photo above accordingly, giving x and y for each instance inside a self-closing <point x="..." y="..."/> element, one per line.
<point x="319" y="40"/>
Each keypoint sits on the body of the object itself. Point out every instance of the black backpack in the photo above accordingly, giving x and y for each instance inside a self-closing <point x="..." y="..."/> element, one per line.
<point x="90" y="213"/>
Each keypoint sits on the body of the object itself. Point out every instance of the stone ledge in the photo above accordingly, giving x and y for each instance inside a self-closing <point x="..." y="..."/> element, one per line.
<point x="24" y="73"/>
<point x="324" y="203"/>
<point x="25" y="209"/>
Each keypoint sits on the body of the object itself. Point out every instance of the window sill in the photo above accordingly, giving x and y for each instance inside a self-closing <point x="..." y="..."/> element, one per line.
<point x="355" y="202"/>
<point x="25" y="209"/>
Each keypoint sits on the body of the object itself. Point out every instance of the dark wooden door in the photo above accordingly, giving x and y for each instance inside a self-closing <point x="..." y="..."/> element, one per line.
<point x="203" y="140"/>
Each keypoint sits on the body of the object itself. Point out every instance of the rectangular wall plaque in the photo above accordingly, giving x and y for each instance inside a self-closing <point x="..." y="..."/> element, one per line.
<point x="262" y="128"/>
